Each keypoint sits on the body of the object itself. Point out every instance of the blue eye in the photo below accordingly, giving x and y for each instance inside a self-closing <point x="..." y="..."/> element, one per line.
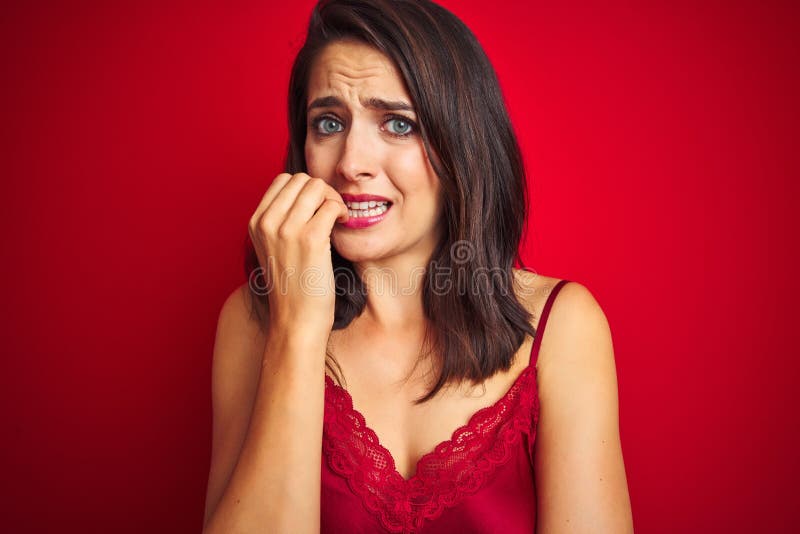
<point x="401" y="127"/>
<point x="327" y="125"/>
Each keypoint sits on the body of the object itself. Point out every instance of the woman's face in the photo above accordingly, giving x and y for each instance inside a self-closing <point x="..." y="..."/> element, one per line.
<point x="362" y="139"/>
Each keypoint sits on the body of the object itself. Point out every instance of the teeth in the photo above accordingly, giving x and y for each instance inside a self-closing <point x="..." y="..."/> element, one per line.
<point x="380" y="208"/>
<point x="365" y="205"/>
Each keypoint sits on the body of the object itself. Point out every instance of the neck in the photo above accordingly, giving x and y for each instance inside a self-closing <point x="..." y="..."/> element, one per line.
<point x="394" y="294"/>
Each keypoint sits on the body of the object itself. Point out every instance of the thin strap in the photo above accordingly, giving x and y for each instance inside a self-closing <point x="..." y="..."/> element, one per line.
<point x="543" y="321"/>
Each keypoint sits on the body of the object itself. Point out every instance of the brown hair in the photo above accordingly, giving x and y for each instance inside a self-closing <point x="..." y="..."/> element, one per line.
<point x="477" y="324"/>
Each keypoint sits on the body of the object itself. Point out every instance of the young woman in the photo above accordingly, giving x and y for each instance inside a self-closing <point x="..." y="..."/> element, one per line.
<point x="385" y="368"/>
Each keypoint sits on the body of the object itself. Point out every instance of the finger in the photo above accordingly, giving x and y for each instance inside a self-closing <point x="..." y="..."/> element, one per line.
<point x="331" y="211"/>
<point x="272" y="191"/>
<point x="282" y="203"/>
<point x="309" y="200"/>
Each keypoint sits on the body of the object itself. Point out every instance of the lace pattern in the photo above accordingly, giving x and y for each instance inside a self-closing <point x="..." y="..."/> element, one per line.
<point x="454" y="469"/>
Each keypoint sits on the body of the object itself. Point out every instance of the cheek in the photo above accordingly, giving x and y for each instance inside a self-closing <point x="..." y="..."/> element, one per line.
<point x="417" y="177"/>
<point x="310" y="158"/>
<point x="318" y="162"/>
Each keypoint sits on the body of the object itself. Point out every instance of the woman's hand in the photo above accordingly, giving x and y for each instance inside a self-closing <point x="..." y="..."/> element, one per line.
<point x="291" y="231"/>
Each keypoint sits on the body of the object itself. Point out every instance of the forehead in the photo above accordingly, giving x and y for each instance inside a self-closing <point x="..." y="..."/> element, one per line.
<point x="348" y="67"/>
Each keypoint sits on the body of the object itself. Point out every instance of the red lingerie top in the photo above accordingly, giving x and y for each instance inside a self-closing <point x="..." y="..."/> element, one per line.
<point x="481" y="480"/>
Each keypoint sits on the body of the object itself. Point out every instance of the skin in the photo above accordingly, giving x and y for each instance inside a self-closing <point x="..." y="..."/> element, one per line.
<point x="579" y="468"/>
<point x="580" y="471"/>
<point x="365" y="153"/>
<point x="351" y="146"/>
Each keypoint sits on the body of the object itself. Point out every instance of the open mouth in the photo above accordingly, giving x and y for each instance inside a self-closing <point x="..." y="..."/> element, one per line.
<point x="368" y="208"/>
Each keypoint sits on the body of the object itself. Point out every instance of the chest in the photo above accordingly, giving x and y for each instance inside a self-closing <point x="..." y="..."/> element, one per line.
<point x="384" y="396"/>
<point x="479" y="481"/>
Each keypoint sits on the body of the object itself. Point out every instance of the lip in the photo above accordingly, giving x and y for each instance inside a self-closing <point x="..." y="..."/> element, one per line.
<point x="363" y="198"/>
<point x="356" y="223"/>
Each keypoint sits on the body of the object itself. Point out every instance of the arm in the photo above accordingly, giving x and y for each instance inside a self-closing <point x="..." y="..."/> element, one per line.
<point x="580" y="473"/>
<point x="267" y="427"/>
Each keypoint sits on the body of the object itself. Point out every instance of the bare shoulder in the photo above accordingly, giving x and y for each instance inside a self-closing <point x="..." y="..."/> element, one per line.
<point x="235" y="372"/>
<point x="236" y="313"/>
<point x="238" y="351"/>
<point x="578" y="454"/>
<point x="575" y="313"/>
<point x="578" y="332"/>
<point x="532" y="290"/>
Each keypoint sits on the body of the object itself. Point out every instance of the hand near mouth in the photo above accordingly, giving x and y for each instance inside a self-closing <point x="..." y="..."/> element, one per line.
<point x="291" y="230"/>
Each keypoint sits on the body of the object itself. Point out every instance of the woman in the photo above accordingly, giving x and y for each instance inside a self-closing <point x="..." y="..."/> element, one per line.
<point x="392" y="344"/>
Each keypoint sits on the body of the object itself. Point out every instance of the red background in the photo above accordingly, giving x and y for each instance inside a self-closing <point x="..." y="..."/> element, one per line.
<point x="660" y="140"/>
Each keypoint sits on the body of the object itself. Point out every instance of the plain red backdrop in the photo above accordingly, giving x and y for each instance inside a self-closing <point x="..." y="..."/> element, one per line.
<point x="660" y="141"/>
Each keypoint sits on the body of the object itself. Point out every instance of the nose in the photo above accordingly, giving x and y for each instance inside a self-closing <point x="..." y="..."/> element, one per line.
<point x="358" y="159"/>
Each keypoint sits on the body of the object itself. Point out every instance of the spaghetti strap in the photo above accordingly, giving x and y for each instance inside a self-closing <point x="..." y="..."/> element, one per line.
<point x="543" y="321"/>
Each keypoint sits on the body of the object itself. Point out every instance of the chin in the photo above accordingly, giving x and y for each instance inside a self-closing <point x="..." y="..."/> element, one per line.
<point x="357" y="250"/>
<point x="357" y="255"/>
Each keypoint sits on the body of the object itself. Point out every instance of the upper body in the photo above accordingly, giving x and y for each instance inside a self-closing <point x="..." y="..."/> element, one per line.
<point x="377" y="110"/>
<point x="578" y="466"/>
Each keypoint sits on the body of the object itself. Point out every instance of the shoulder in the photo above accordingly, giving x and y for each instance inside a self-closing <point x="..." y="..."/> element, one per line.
<point x="238" y="347"/>
<point x="238" y="303"/>
<point x="235" y="371"/>
<point x="575" y="311"/>
<point x="578" y="428"/>
<point x="576" y="324"/>
<point x="576" y="367"/>
<point x="577" y="329"/>
<point x="235" y="304"/>
<point x="575" y="314"/>
<point x="534" y="289"/>
<point x="237" y="318"/>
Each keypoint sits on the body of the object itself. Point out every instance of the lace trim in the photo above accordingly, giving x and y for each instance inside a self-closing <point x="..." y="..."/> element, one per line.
<point x="454" y="469"/>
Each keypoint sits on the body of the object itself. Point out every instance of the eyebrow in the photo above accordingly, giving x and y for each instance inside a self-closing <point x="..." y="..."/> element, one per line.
<point x="373" y="103"/>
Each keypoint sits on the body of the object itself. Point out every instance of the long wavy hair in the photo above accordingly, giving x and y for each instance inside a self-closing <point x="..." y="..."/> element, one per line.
<point x="475" y="322"/>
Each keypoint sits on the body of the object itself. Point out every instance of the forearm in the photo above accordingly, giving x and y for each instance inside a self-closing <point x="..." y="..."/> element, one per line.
<point x="275" y="486"/>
